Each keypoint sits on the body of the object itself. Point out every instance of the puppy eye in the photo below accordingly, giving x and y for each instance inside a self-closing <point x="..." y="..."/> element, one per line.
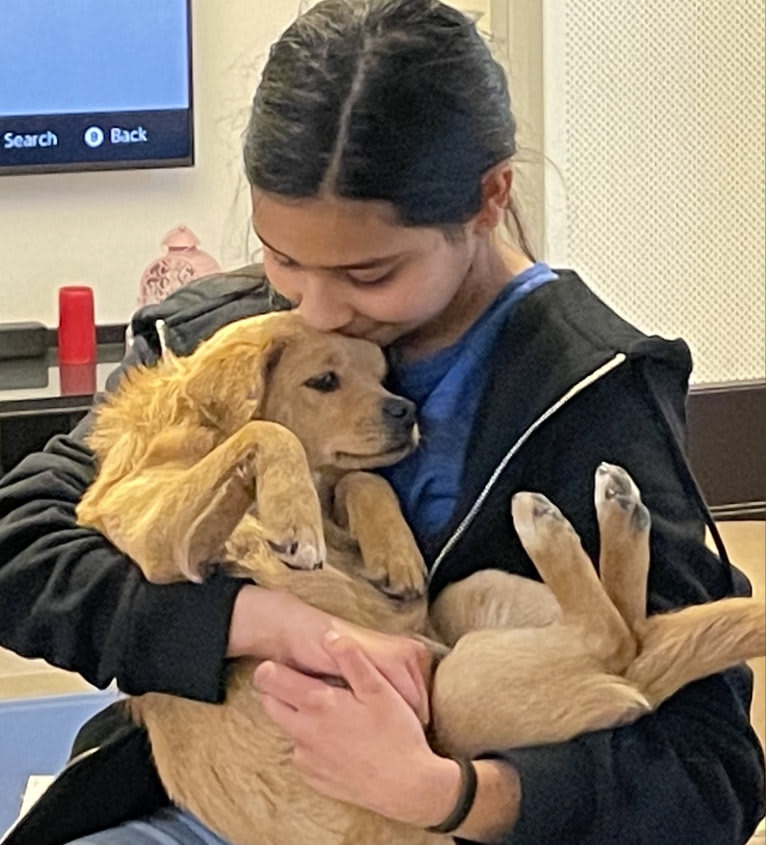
<point x="326" y="383"/>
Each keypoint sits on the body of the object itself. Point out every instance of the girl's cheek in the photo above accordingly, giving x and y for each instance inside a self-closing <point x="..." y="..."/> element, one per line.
<point x="280" y="280"/>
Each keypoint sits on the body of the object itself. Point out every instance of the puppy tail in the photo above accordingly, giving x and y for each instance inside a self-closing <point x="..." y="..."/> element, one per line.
<point x="686" y="645"/>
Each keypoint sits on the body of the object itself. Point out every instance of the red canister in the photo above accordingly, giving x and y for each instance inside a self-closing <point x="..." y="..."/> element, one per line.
<point x="77" y="327"/>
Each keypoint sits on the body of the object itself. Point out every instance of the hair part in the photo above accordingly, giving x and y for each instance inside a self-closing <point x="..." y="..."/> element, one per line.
<point x="392" y="100"/>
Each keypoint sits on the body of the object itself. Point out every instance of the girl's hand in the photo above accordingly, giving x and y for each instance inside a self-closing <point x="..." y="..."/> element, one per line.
<point x="364" y="744"/>
<point x="405" y="663"/>
<point x="277" y="626"/>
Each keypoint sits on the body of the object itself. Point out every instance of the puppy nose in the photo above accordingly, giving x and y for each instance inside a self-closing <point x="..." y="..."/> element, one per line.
<point x="401" y="411"/>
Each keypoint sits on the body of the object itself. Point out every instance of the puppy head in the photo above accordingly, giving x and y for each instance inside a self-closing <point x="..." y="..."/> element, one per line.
<point x="327" y="389"/>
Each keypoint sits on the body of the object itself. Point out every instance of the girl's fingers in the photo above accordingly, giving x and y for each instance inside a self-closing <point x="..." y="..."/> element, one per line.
<point x="366" y="678"/>
<point x="358" y="670"/>
<point x="283" y="715"/>
<point x="291" y="687"/>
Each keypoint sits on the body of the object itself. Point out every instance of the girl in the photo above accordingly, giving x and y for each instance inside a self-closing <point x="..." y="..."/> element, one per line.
<point x="380" y="152"/>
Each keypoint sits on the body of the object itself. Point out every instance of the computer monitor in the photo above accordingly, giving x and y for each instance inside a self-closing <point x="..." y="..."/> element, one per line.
<point x="95" y="85"/>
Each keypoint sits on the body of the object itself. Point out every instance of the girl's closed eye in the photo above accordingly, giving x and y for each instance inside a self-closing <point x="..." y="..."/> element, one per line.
<point x="282" y="260"/>
<point x="371" y="280"/>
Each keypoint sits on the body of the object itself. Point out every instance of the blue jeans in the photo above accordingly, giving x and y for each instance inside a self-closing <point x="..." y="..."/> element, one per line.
<point x="169" y="826"/>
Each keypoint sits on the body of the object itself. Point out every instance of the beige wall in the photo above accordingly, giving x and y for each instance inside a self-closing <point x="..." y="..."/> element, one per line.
<point x="655" y="125"/>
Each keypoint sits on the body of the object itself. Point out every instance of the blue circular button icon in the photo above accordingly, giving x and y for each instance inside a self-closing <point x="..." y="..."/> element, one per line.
<point x="94" y="136"/>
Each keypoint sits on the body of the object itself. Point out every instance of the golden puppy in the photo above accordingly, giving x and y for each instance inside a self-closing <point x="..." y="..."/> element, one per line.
<point x="250" y="453"/>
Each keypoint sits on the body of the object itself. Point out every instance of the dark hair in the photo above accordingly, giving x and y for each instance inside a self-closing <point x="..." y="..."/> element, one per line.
<point x="396" y="100"/>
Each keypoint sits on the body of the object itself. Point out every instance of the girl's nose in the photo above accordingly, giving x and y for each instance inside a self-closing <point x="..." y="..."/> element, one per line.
<point x="320" y="305"/>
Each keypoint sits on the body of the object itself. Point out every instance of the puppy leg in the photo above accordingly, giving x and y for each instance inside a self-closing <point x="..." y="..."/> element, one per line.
<point x="172" y="519"/>
<point x="624" y="524"/>
<point x="366" y="505"/>
<point x="678" y="647"/>
<point x="506" y="688"/>
<point x="556" y="551"/>
<point x="492" y="599"/>
<point x="684" y="645"/>
<point x="675" y="648"/>
<point x="160" y="510"/>
<point x="286" y="501"/>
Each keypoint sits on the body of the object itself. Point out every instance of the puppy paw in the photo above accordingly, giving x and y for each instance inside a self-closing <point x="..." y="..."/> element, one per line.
<point x="390" y="559"/>
<point x="301" y="550"/>
<point x="618" y="501"/>
<point x="292" y="528"/>
<point x="398" y="573"/>
<point x="624" y="524"/>
<point x="540" y="524"/>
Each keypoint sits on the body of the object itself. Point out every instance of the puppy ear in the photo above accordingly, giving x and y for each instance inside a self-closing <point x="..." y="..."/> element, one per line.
<point x="227" y="386"/>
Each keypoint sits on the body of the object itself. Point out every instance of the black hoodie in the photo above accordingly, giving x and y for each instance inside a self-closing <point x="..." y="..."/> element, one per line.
<point x="571" y="385"/>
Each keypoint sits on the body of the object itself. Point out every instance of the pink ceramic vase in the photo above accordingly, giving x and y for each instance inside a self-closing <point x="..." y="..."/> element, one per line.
<point x="182" y="262"/>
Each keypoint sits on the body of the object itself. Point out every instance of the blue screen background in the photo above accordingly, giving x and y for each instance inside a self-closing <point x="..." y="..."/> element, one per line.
<point x="74" y="56"/>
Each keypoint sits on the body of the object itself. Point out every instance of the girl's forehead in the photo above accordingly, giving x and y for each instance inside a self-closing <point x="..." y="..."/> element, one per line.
<point x="333" y="231"/>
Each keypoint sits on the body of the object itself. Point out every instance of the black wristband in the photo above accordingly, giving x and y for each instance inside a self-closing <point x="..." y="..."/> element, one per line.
<point x="464" y="800"/>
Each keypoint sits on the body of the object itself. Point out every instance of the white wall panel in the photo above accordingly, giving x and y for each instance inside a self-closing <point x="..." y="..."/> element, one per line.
<point x="654" y="114"/>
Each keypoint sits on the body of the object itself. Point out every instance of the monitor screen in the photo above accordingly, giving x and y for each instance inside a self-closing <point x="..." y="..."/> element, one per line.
<point x="94" y="85"/>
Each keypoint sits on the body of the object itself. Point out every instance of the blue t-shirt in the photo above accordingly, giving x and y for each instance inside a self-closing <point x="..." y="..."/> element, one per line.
<point x="447" y="388"/>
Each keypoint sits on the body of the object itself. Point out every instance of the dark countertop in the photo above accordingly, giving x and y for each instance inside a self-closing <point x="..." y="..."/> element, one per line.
<point x="30" y="386"/>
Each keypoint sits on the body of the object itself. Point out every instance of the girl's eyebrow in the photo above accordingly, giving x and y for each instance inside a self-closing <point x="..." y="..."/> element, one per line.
<point x="358" y="265"/>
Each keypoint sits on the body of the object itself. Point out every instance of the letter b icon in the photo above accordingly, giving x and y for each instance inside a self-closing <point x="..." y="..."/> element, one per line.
<point x="94" y="136"/>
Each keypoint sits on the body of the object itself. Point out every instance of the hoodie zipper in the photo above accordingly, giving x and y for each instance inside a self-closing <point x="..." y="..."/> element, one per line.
<point x="573" y="391"/>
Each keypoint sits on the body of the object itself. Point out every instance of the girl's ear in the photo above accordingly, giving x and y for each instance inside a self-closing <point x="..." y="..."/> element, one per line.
<point x="495" y="198"/>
